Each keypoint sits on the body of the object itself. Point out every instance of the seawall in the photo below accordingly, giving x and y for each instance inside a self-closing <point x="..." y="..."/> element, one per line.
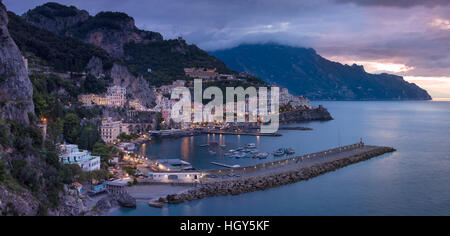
<point x="288" y="174"/>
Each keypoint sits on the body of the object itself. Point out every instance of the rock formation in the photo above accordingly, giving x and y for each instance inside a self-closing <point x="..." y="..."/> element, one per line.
<point x="16" y="90"/>
<point x="56" y="18"/>
<point x="319" y="113"/>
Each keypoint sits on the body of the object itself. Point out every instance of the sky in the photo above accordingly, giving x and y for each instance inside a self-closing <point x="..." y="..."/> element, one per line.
<point x="410" y="38"/>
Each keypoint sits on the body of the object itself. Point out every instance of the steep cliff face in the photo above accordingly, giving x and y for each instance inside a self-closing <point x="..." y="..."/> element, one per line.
<point x="140" y="50"/>
<point x="108" y="30"/>
<point x="55" y="17"/>
<point x="16" y="90"/>
<point x="137" y="87"/>
<point x="111" y="31"/>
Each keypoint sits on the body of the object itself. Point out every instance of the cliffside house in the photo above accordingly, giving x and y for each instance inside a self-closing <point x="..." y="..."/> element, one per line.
<point x="201" y="73"/>
<point x="117" y="95"/>
<point x="71" y="154"/>
<point x="110" y="130"/>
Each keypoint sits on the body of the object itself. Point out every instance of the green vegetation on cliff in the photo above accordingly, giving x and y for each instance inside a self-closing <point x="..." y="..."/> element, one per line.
<point x="61" y="53"/>
<point x="167" y="60"/>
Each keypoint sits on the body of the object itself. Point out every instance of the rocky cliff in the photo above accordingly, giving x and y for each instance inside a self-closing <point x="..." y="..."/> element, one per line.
<point x="320" y="113"/>
<point x="55" y="17"/>
<point x="111" y="31"/>
<point x="137" y="87"/>
<point x="16" y="90"/>
<point x="30" y="179"/>
<point x="64" y="53"/>
<point x="108" y="30"/>
<point x="116" y="32"/>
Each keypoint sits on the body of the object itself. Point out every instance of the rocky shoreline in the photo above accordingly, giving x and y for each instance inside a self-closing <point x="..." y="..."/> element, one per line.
<point x="274" y="179"/>
<point x="314" y="114"/>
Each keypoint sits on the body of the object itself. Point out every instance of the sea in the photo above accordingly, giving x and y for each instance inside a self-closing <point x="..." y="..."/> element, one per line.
<point x="414" y="180"/>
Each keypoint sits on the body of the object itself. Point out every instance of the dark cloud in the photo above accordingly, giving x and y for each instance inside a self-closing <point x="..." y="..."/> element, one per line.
<point x="398" y="3"/>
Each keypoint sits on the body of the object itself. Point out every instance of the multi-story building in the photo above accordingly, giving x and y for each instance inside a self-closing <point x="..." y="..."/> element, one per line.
<point x="71" y="154"/>
<point x="91" y="99"/>
<point x="136" y="104"/>
<point x="102" y="101"/>
<point x="110" y="130"/>
<point x="201" y="73"/>
<point x="86" y="99"/>
<point x="117" y="96"/>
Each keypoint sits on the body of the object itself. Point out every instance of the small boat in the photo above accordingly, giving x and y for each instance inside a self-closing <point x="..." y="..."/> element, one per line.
<point x="279" y="152"/>
<point x="251" y="145"/>
<point x="241" y="155"/>
<point x="212" y="152"/>
<point x="246" y="150"/>
<point x="239" y="148"/>
<point x="204" y="145"/>
<point x="223" y="146"/>
<point x="231" y="151"/>
<point x="213" y="143"/>
<point x="254" y="152"/>
<point x="290" y="151"/>
<point x="263" y="155"/>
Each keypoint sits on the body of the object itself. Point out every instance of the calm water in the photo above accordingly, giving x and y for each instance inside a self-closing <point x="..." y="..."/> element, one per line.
<point x="415" y="180"/>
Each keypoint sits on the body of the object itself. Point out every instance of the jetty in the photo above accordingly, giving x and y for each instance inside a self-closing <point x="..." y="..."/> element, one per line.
<point x="242" y="133"/>
<point x="295" y="128"/>
<point x="225" y="165"/>
<point x="281" y="172"/>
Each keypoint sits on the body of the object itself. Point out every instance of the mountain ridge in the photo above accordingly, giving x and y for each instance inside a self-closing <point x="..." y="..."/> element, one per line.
<point x="307" y="73"/>
<point x="146" y="53"/>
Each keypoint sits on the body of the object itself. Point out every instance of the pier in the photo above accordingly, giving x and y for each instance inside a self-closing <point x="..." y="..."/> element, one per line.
<point x="225" y="165"/>
<point x="243" y="133"/>
<point x="281" y="172"/>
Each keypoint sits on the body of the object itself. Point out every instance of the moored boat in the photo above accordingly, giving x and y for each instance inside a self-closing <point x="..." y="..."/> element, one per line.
<point x="279" y="152"/>
<point x="290" y="151"/>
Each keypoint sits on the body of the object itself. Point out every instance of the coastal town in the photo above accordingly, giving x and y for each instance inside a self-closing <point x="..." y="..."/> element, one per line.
<point x="139" y="124"/>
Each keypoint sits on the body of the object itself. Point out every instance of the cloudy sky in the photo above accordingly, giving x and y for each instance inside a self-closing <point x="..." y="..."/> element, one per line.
<point x="405" y="37"/>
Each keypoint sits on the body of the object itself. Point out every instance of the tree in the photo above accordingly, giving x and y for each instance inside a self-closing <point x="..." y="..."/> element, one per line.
<point x="104" y="151"/>
<point x="89" y="136"/>
<point x="71" y="127"/>
<point x="94" y="85"/>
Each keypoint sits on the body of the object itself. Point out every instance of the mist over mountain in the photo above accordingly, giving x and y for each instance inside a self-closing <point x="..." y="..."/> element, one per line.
<point x="306" y="73"/>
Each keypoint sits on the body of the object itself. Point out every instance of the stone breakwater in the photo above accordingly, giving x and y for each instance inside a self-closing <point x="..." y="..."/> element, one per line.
<point x="282" y="176"/>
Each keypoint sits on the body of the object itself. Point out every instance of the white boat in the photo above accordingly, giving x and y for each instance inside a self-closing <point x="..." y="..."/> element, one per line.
<point x="279" y="152"/>
<point x="263" y="155"/>
<point x="251" y="145"/>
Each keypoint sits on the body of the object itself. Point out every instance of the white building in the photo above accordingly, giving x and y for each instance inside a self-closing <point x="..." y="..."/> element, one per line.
<point x="71" y="154"/>
<point x="184" y="177"/>
<point x="117" y="95"/>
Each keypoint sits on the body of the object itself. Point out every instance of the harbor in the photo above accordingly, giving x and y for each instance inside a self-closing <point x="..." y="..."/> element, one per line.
<point x="260" y="177"/>
<point x="236" y="179"/>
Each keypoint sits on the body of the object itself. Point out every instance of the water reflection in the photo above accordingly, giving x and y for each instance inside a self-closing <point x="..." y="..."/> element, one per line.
<point x="411" y="181"/>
